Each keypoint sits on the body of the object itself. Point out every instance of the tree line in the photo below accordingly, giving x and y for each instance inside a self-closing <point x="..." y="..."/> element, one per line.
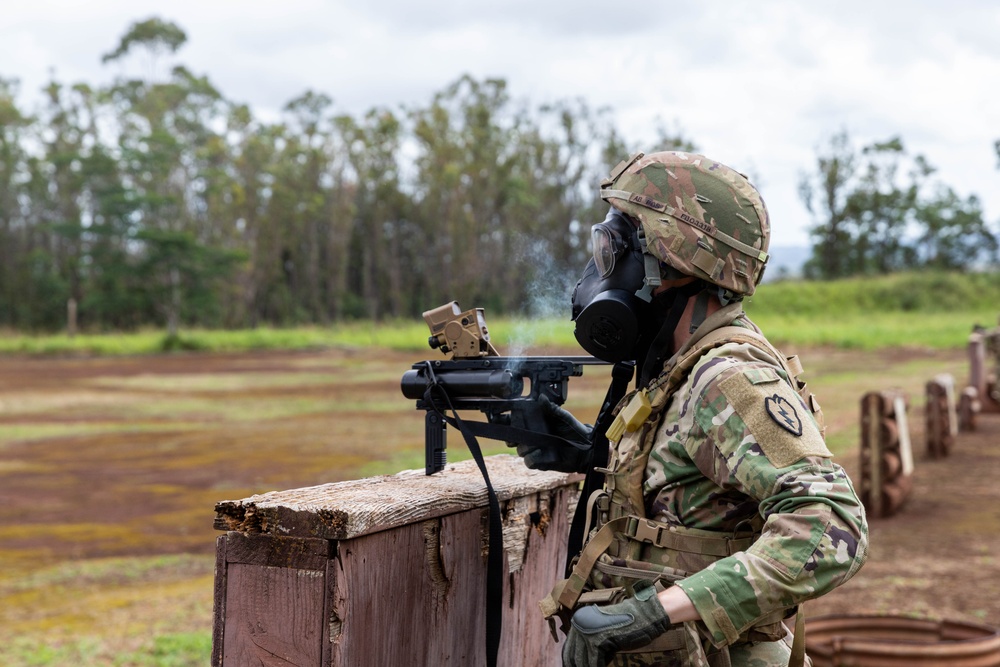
<point x="878" y="209"/>
<point x="155" y="200"/>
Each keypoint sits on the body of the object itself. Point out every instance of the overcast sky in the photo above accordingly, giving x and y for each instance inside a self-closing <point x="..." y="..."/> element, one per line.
<point x="759" y="85"/>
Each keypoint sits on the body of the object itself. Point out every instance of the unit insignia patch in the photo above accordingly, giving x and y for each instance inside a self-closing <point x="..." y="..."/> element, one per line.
<point x="784" y="414"/>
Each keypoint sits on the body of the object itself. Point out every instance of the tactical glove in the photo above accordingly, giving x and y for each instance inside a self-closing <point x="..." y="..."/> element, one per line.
<point x="548" y="418"/>
<point x="598" y="633"/>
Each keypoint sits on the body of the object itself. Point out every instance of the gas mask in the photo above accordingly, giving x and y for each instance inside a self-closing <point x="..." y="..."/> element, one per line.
<point x="611" y="302"/>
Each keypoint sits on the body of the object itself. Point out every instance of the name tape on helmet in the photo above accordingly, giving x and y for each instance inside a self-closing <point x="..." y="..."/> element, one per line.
<point x="634" y="198"/>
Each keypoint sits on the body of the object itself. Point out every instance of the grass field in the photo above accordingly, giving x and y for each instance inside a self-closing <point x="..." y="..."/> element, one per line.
<point x="851" y="330"/>
<point x="906" y="310"/>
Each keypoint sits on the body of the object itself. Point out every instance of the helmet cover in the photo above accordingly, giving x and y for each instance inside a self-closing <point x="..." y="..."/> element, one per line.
<point x="700" y="217"/>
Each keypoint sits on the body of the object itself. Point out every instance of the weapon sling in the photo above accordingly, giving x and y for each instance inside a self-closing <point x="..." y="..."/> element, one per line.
<point x="494" y="560"/>
<point x="621" y="374"/>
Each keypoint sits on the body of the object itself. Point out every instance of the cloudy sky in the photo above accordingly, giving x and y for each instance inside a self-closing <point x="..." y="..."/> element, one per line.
<point x="759" y="85"/>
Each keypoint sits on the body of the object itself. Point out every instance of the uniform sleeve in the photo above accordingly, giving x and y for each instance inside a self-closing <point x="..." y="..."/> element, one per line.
<point x="748" y="430"/>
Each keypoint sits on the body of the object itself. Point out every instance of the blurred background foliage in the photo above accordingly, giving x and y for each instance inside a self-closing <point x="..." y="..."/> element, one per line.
<point x="158" y="202"/>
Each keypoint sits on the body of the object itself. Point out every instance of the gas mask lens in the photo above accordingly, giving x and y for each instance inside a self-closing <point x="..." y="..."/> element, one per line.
<point x="606" y="246"/>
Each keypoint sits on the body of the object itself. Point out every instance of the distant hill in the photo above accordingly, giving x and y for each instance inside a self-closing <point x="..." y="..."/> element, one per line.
<point x="786" y="262"/>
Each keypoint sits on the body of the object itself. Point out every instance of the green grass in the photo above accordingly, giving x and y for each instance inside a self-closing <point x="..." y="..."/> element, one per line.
<point x="128" y="612"/>
<point x="104" y="571"/>
<point x="919" y="310"/>
<point x="188" y="649"/>
<point x="851" y="329"/>
<point x="917" y="293"/>
<point x="393" y="335"/>
<point x="874" y="331"/>
<point x="925" y="310"/>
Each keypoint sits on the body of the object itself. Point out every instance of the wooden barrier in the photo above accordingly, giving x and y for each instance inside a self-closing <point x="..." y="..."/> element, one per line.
<point x="389" y="570"/>
<point x="968" y="408"/>
<point x="941" y="416"/>
<point x="886" y="453"/>
<point x="980" y="375"/>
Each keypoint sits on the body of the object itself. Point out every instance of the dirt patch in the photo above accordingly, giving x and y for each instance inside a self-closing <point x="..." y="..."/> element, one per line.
<point x="112" y="457"/>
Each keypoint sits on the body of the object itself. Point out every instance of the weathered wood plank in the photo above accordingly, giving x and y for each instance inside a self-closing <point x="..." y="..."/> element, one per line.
<point x="397" y="605"/>
<point x="345" y="510"/>
<point x="415" y="595"/>
<point x="331" y="624"/>
<point x="219" y="601"/>
<point x="274" y="617"/>
<point x="526" y="639"/>
<point x="293" y="552"/>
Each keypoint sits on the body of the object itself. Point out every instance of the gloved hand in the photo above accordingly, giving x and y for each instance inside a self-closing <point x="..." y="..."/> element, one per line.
<point x="549" y="418"/>
<point x="598" y="633"/>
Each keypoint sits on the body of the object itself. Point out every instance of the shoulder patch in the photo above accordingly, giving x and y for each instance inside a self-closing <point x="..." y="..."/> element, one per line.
<point x="773" y="413"/>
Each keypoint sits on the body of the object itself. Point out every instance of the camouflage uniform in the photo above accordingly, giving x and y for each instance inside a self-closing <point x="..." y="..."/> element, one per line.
<point x="719" y="479"/>
<point x="735" y="453"/>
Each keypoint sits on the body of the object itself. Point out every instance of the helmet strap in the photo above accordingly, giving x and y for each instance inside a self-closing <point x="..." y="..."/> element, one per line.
<point x="662" y="346"/>
<point x="650" y="263"/>
<point x="700" y="311"/>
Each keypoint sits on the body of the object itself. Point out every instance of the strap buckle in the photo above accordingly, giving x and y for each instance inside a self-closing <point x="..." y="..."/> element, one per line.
<point x="644" y="531"/>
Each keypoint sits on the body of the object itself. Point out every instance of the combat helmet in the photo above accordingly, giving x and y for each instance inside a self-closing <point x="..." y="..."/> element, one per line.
<point x="700" y="217"/>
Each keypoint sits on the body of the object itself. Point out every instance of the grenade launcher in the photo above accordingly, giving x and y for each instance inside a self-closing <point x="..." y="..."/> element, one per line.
<point x="476" y="377"/>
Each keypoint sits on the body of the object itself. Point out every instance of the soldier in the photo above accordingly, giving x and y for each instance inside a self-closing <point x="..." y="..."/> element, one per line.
<point x="721" y="509"/>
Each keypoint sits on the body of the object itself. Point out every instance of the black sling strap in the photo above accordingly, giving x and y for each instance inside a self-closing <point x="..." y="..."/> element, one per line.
<point x="621" y="375"/>
<point x="494" y="559"/>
